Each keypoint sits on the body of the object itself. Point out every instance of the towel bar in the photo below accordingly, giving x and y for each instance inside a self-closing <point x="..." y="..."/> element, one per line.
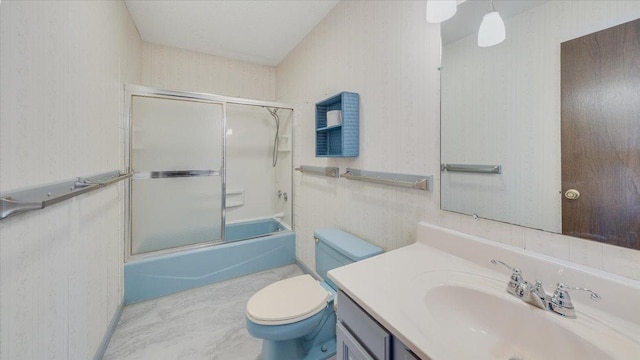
<point x="418" y="182"/>
<point x="36" y="198"/>
<point x="317" y="170"/>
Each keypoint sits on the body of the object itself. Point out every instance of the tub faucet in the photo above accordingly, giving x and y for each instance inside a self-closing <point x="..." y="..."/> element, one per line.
<point x="282" y="194"/>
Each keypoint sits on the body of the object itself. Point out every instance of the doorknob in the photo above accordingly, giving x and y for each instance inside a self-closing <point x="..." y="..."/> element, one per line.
<point x="572" y="194"/>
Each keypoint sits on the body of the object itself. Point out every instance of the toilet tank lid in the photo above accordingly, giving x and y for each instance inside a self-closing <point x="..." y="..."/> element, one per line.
<point x="351" y="246"/>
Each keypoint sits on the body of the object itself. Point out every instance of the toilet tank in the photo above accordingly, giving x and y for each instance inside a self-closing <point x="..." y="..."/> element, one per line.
<point x="335" y="248"/>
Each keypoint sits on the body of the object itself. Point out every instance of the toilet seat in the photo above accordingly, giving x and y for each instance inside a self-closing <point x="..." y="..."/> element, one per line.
<point x="287" y="301"/>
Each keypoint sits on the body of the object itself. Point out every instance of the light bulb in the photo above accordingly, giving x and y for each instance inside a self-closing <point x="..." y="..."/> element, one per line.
<point x="492" y="30"/>
<point x="440" y="10"/>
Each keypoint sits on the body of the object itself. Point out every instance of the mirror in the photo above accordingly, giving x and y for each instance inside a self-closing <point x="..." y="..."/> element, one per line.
<point x="501" y="106"/>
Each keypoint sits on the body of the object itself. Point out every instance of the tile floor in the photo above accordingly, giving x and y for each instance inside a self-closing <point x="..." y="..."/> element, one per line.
<point x="203" y="323"/>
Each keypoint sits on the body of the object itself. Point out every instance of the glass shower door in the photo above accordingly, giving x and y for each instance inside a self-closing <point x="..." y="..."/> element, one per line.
<point x="177" y="161"/>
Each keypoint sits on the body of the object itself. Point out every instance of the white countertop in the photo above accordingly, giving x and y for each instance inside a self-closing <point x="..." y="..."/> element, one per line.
<point x="388" y="287"/>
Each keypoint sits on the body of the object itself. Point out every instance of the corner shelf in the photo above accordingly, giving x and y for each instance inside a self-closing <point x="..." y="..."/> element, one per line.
<point x="340" y="140"/>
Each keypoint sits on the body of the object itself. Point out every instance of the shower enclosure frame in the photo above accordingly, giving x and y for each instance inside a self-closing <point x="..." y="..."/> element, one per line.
<point x="131" y="90"/>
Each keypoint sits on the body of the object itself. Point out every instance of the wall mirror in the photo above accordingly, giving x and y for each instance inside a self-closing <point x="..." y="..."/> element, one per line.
<point x="512" y="105"/>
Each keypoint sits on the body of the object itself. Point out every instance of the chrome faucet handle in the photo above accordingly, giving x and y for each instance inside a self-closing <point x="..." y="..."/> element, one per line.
<point x="496" y="262"/>
<point x="515" y="280"/>
<point x="561" y="303"/>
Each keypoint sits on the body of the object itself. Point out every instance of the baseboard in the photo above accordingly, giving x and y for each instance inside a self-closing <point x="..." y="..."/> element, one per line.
<point x="110" y="330"/>
<point x="307" y="270"/>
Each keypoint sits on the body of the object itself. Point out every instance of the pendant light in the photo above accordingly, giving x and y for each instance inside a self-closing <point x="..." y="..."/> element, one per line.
<point x="440" y="10"/>
<point x="492" y="30"/>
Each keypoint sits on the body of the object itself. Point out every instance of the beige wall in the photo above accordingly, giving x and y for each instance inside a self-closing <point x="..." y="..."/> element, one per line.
<point x="63" y="66"/>
<point x="386" y="51"/>
<point x="177" y="69"/>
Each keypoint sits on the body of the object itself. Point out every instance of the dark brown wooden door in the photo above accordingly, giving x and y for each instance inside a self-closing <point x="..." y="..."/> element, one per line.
<point x="601" y="135"/>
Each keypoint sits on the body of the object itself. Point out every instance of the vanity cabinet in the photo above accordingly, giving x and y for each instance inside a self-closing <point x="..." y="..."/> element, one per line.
<point x="340" y="139"/>
<point x="360" y="337"/>
<point x="348" y="347"/>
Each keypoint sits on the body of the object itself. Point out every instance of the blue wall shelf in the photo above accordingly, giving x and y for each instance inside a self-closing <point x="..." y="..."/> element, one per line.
<point x="342" y="140"/>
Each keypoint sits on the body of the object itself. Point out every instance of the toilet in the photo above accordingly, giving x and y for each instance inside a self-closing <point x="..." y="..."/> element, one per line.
<point x="295" y="317"/>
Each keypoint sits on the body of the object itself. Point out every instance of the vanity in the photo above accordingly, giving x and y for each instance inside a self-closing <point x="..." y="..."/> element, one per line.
<point x="443" y="298"/>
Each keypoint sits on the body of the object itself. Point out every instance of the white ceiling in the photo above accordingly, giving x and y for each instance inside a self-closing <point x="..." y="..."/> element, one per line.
<point x="258" y="31"/>
<point x="467" y="19"/>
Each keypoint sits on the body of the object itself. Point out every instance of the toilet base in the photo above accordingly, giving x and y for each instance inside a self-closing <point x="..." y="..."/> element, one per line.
<point x="288" y="349"/>
<point x="309" y="347"/>
<point x="316" y="353"/>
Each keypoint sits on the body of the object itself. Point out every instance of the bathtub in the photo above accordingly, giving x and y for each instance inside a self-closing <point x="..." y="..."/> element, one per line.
<point x="265" y="244"/>
<point x="252" y="229"/>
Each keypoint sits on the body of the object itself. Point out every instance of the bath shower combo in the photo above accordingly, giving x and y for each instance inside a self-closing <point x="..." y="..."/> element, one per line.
<point x="185" y="227"/>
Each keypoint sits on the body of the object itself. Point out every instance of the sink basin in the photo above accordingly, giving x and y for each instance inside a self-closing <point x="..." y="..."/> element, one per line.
<point x="465" y="315"/>
<point x="500" y="328"/>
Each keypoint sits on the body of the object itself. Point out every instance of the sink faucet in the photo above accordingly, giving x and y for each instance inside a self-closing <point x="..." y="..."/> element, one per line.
<point x="520" y="288"/>
<point x="534" y="294"/>
<point x="559" y="303"/>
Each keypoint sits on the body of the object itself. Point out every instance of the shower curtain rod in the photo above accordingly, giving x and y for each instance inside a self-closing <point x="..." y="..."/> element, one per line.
<point x="145" y="90"/>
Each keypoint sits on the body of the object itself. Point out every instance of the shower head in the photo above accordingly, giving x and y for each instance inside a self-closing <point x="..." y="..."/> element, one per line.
<point x="274" y="113"/>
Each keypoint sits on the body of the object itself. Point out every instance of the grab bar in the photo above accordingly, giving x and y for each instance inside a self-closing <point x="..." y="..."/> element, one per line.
<point x="114" y="179"/>
<point x="485" y="169"/>
<point x="174" y="174"/>
<point x="317" y="170"/>
<point x="36" y="198"/>
<point x="10" y="206"/>
<point x="418" y="182"/>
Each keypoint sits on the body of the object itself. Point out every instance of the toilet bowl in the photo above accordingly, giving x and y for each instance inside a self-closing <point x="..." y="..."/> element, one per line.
<point x="289" y="315"/>
<point x="295" y="317"/>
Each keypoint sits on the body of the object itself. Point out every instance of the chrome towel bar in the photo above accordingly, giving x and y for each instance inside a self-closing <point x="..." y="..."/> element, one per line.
<point x="485" y="169"/>
<point x="317" y="170"/>
<point x="174" y="174"/>
<point x="418" y="182"/>
<point x="35" y="198"/>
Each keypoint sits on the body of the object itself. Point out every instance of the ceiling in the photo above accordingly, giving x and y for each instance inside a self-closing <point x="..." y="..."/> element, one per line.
<point x="467" y="19"/>
<point x="258" y="31"/>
